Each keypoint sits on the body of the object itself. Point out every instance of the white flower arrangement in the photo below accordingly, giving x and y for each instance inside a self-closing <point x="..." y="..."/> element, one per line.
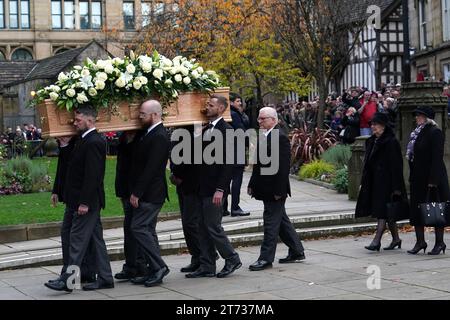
<point x="105" y="82"/>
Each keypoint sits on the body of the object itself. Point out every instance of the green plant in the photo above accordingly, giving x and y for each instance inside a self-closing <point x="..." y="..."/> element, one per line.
<point x="340" y="180"/>
<point x="308" y="146"/>
<point x="338" y="155"/>
<point x="30" y="176"/>
<point x="315" y="169"/>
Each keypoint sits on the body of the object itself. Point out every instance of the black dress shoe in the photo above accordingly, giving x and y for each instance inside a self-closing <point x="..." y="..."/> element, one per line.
<point x="229" y="268"/>
<point x="88" y="279"/>
<point x="139" y="280"/>
<point x="58" y="285"/>
<point x="122" y="275"/>
<point x="239" y="213"/>
<point x="292" y="258"/>
<point x="157" y="277"/>
<point x="97" y="285"/>
<point x="55" y="280"/>
<point x="225" y="213"/>
<point x="190" y="268"/>
<point x="260" y="265"/>
<point x="201" y="274"/>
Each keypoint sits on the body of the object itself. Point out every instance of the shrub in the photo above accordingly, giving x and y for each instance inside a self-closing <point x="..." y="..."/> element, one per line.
<point x="340" y="180"/>
<point x="308" y="146"/>
<point x="3" y="151"/>
<point x="315" y="169"/>
<point x="339" y="155"/>
<point x="23" y="174"/>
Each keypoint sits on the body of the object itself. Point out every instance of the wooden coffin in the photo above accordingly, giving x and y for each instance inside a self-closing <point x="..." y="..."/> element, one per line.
<point x="185" y="111"/>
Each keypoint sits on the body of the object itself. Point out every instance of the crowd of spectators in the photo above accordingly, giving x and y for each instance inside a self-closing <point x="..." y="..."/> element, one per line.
<point x="15" y="141"/>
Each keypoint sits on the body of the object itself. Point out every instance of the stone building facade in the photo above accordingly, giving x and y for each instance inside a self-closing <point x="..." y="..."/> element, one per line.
<point x="429" y="27"/>
<point x="37" y="29"/>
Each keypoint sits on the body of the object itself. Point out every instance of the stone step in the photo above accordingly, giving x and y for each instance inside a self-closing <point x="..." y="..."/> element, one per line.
<point x="176" y="244"/>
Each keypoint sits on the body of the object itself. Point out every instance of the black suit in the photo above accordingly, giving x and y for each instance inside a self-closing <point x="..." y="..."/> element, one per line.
<point x="88" y="265"/>
<point x="84" y="186"/>
<point x="134" y="259"/>
<point x="188" y="200"/>
<point x="214" y="177"/>
<point x="148" y="183"/>
<point x="265" y="187"/>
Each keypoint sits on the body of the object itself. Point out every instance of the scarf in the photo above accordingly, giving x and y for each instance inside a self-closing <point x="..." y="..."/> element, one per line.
<point x="412" y="141"/>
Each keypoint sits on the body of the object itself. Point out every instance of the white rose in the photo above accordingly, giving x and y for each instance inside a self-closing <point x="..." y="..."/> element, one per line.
<point x="55" y="88"/>
<point x="195" y="74"/>
<point x="62" y="76"/>
<point x="99" y="85"/>
<point x="200" y="70"/>
<point x="187" y="80"/>
<point x="158" y="74"/>
<point x="184" y="71"/>
<point x="178" y="78"/>
<point x="70" y="93"/>
<point x="81" y="97"/>
<point x="174" y="70"/>
<point x="54" y="96"/>
<point x="168" y="82"/>
<point x="167" y="62"/>
<point x="101" y="64"/>
<point x="120" y="83"/>
<point x="92" y="92"/>
<point x="85" y="72"/>
<point x="117" y="71"/>
<point x="75" y="75"/>
<point x="109" y="68"/>
<point x="137" y="84"/>
<point x="146" y="66"/>
<point x="131" y="68"/>
<point x="143" y="80"/>
<point x="117" y="61"/>
<point x="102" y="76"/>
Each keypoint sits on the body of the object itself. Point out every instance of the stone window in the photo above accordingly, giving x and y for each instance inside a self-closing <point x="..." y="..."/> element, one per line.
<point x="423" y="24"/>
<point x="19" y="14"/>
<point x="146" y="12"/>
<point x="90" y="14"/>
<point x="13" y="14"/>
<point x="25" y="14"/>
<point x="2" y="14"/>
<point x="446" y="19"/>
<point x="128" y="15"/>
<point x="21" y="55"/>
<point x="63" y="14"/>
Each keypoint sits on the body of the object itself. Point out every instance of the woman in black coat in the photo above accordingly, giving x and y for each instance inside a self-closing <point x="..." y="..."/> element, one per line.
<point x="382" y="180"/>
<point x="425" y="153"/>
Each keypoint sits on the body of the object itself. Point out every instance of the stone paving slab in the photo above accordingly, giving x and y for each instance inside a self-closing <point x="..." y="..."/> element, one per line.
<point x="335" y="269"/>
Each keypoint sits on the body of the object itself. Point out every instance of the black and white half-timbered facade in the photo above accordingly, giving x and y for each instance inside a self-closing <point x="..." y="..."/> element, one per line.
<point x="377" y="57"/>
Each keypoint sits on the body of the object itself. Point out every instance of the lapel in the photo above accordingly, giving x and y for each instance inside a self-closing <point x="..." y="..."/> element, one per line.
<point x="147" y="135"/>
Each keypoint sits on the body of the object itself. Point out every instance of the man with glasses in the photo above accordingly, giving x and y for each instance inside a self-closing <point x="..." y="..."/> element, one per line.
<point x="273" y="190"/>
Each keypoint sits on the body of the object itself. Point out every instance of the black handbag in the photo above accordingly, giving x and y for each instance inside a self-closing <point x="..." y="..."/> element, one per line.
<point x="398" y="209"/>
<point x="433" y="213"/>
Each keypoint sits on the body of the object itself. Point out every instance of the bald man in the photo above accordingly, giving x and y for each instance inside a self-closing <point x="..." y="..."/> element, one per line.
<point x="273" y="188"/>
<point x="148" y="188"/>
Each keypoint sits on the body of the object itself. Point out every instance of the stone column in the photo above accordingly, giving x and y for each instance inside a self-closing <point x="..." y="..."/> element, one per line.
<point x="416" y="94"/>
<point x="355" y="166"/>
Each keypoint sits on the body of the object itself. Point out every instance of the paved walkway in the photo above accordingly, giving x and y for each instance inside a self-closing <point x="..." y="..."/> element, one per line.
<point x="306" y="199"/>
<point x="334" y="269"/>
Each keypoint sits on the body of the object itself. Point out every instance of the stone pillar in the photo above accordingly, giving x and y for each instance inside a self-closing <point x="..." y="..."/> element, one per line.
<point x="355" y="166"/>
<point x="421" y="94"/>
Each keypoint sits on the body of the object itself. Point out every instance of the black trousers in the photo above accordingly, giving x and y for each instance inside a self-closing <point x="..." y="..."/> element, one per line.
<point x="88" y="267"/>
<point x="135" y="263"/>
<point x="190" y="219"/>
<point x="143" y="228"/>
<point x="277" y="223"/>
<point x="212" y="236"/>
<point x="86" y="228"/>
<point x="236" y="183"/>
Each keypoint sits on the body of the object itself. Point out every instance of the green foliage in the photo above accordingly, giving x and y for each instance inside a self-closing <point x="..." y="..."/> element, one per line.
<point x="30" y="176"/>
<point x="315" y="169"/>
<point x="340" y="180"/>
<point x="338" y="155"/>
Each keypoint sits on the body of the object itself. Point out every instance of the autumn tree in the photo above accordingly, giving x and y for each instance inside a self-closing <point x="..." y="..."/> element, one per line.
<point x="316" y="35"/>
